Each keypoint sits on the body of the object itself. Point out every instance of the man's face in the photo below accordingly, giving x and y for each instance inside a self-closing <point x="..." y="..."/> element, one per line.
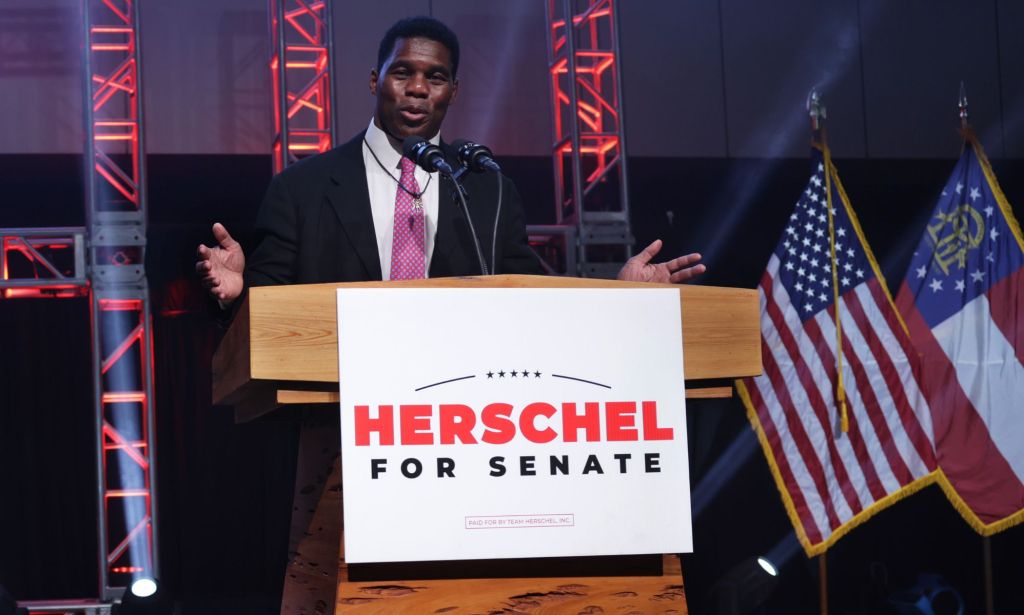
<point x="414" y="88"/>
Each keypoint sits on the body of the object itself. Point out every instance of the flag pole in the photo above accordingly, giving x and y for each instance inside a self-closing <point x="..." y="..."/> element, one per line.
<point x="986" y="546"/>
<point x="823" y="583"/>
<point x="986" y="541"/>
<point x="818" y="113"/>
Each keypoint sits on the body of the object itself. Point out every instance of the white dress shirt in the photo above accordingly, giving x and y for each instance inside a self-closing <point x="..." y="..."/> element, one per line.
<point x="383" y="187"/>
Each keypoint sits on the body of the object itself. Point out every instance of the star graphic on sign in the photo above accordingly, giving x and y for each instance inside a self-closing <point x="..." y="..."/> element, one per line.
<point x="921" y="271"/>
<point x="536" y="374"/>
<point x="978" y="275"/>
<point x="526" y="374"/>
<point x="514" y="373"/>
<point x="959" y="188"/>
<point x="490" y="374"/>
<point x="975" y="193"/>
<point x="988" y="210"/>
<point x="936" y="285"/>
<point x="501" y="374"/>
<point x="959" y="285"/>
<point x="993" y="234"/>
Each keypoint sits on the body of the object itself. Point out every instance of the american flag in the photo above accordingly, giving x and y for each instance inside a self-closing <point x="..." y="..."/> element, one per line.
<point x="831" y="479"/>
<point x="963" y="300"/>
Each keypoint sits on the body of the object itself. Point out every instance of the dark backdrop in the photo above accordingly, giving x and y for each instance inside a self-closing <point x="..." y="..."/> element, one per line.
<point x="224" y="489"/>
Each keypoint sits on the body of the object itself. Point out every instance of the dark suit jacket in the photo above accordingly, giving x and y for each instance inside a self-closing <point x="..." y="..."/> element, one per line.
<point x="315" y="225"/>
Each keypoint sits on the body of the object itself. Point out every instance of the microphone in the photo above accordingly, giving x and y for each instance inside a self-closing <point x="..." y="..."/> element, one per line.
<point x="476" y="157"/>
<point x="426" y="154"/>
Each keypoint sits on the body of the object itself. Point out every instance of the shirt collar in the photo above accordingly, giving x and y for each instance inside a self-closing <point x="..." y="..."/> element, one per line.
<point x="388" y="150"/>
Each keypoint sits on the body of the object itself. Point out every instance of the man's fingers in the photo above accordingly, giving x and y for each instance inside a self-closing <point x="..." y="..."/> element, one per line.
<point x="222" y="236"/>
<point x="681" y="262"/>
<point x="647" y="253"/>
<point x="687" y="274"/>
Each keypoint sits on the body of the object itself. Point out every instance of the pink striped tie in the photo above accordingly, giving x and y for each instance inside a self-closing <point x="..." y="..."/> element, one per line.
<point x="409" y="247"/>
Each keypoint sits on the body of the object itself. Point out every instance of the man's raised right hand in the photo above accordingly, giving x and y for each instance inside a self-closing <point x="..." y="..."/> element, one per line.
<point x="220" y="267"/>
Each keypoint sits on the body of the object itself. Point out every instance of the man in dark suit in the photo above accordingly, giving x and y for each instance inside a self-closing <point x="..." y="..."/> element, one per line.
<point x="332" y="217"/>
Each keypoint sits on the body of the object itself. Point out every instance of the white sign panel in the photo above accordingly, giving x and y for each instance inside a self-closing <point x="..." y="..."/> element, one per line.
<point x="501" y="423"/>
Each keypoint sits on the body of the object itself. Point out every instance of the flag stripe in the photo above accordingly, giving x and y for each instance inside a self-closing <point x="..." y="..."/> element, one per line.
<point x="872" y="407"/>
<point x="791" y="419"/>
<point x="891" y="375"/>
<point x="810" y="394"/>
<point x="909" y="356"/>
<point x="863" y="479"/>
<point x="962" y="441"/>
<point x="1006" y="302"/>
<point x="796" y="494"/>
<point x="856" y="417"/>
<point x="989" y="373"/>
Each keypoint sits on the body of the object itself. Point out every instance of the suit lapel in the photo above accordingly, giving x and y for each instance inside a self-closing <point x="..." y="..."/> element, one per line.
<point x="350" y="198"/>
<point x="449" y="216"/>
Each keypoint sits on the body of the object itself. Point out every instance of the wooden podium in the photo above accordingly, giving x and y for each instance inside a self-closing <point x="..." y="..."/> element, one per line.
<point x="281" y="350"/>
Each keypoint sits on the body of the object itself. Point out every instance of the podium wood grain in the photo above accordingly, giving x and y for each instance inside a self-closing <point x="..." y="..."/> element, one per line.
<point x="286" y="336"/>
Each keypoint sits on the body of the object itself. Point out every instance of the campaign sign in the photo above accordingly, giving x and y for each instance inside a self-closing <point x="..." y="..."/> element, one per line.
<point x="501" y="423"/>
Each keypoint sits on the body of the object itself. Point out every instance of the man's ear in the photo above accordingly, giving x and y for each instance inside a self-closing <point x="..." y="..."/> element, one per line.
<point x="455" y="91"/>
<point x="373" y="81"/>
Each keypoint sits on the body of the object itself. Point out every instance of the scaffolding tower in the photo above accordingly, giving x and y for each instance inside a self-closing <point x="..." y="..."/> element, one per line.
<point x="300" y="65"/>
<point x="589" y="149"/>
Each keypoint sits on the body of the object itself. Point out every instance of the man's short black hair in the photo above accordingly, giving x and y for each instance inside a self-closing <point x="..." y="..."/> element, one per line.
<point x="419" y="27"/>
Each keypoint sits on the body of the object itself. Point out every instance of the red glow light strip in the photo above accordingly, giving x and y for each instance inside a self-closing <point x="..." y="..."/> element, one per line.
<point x="134" y="336"/>
<point x="122" y="444"/>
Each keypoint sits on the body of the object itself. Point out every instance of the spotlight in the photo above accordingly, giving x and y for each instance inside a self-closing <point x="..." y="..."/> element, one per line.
<point x="767" y="566"/>
<point x="745" y="588"/>
<point x="143" y="588"/>
<point x="144" y="597"/>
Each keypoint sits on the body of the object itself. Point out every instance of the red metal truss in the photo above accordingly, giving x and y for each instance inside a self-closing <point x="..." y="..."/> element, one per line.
<point x="589" y="148"/>
<point x="121" y="327"/>
<point x="300" y="67"/>
<point x="42" y="263"/>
